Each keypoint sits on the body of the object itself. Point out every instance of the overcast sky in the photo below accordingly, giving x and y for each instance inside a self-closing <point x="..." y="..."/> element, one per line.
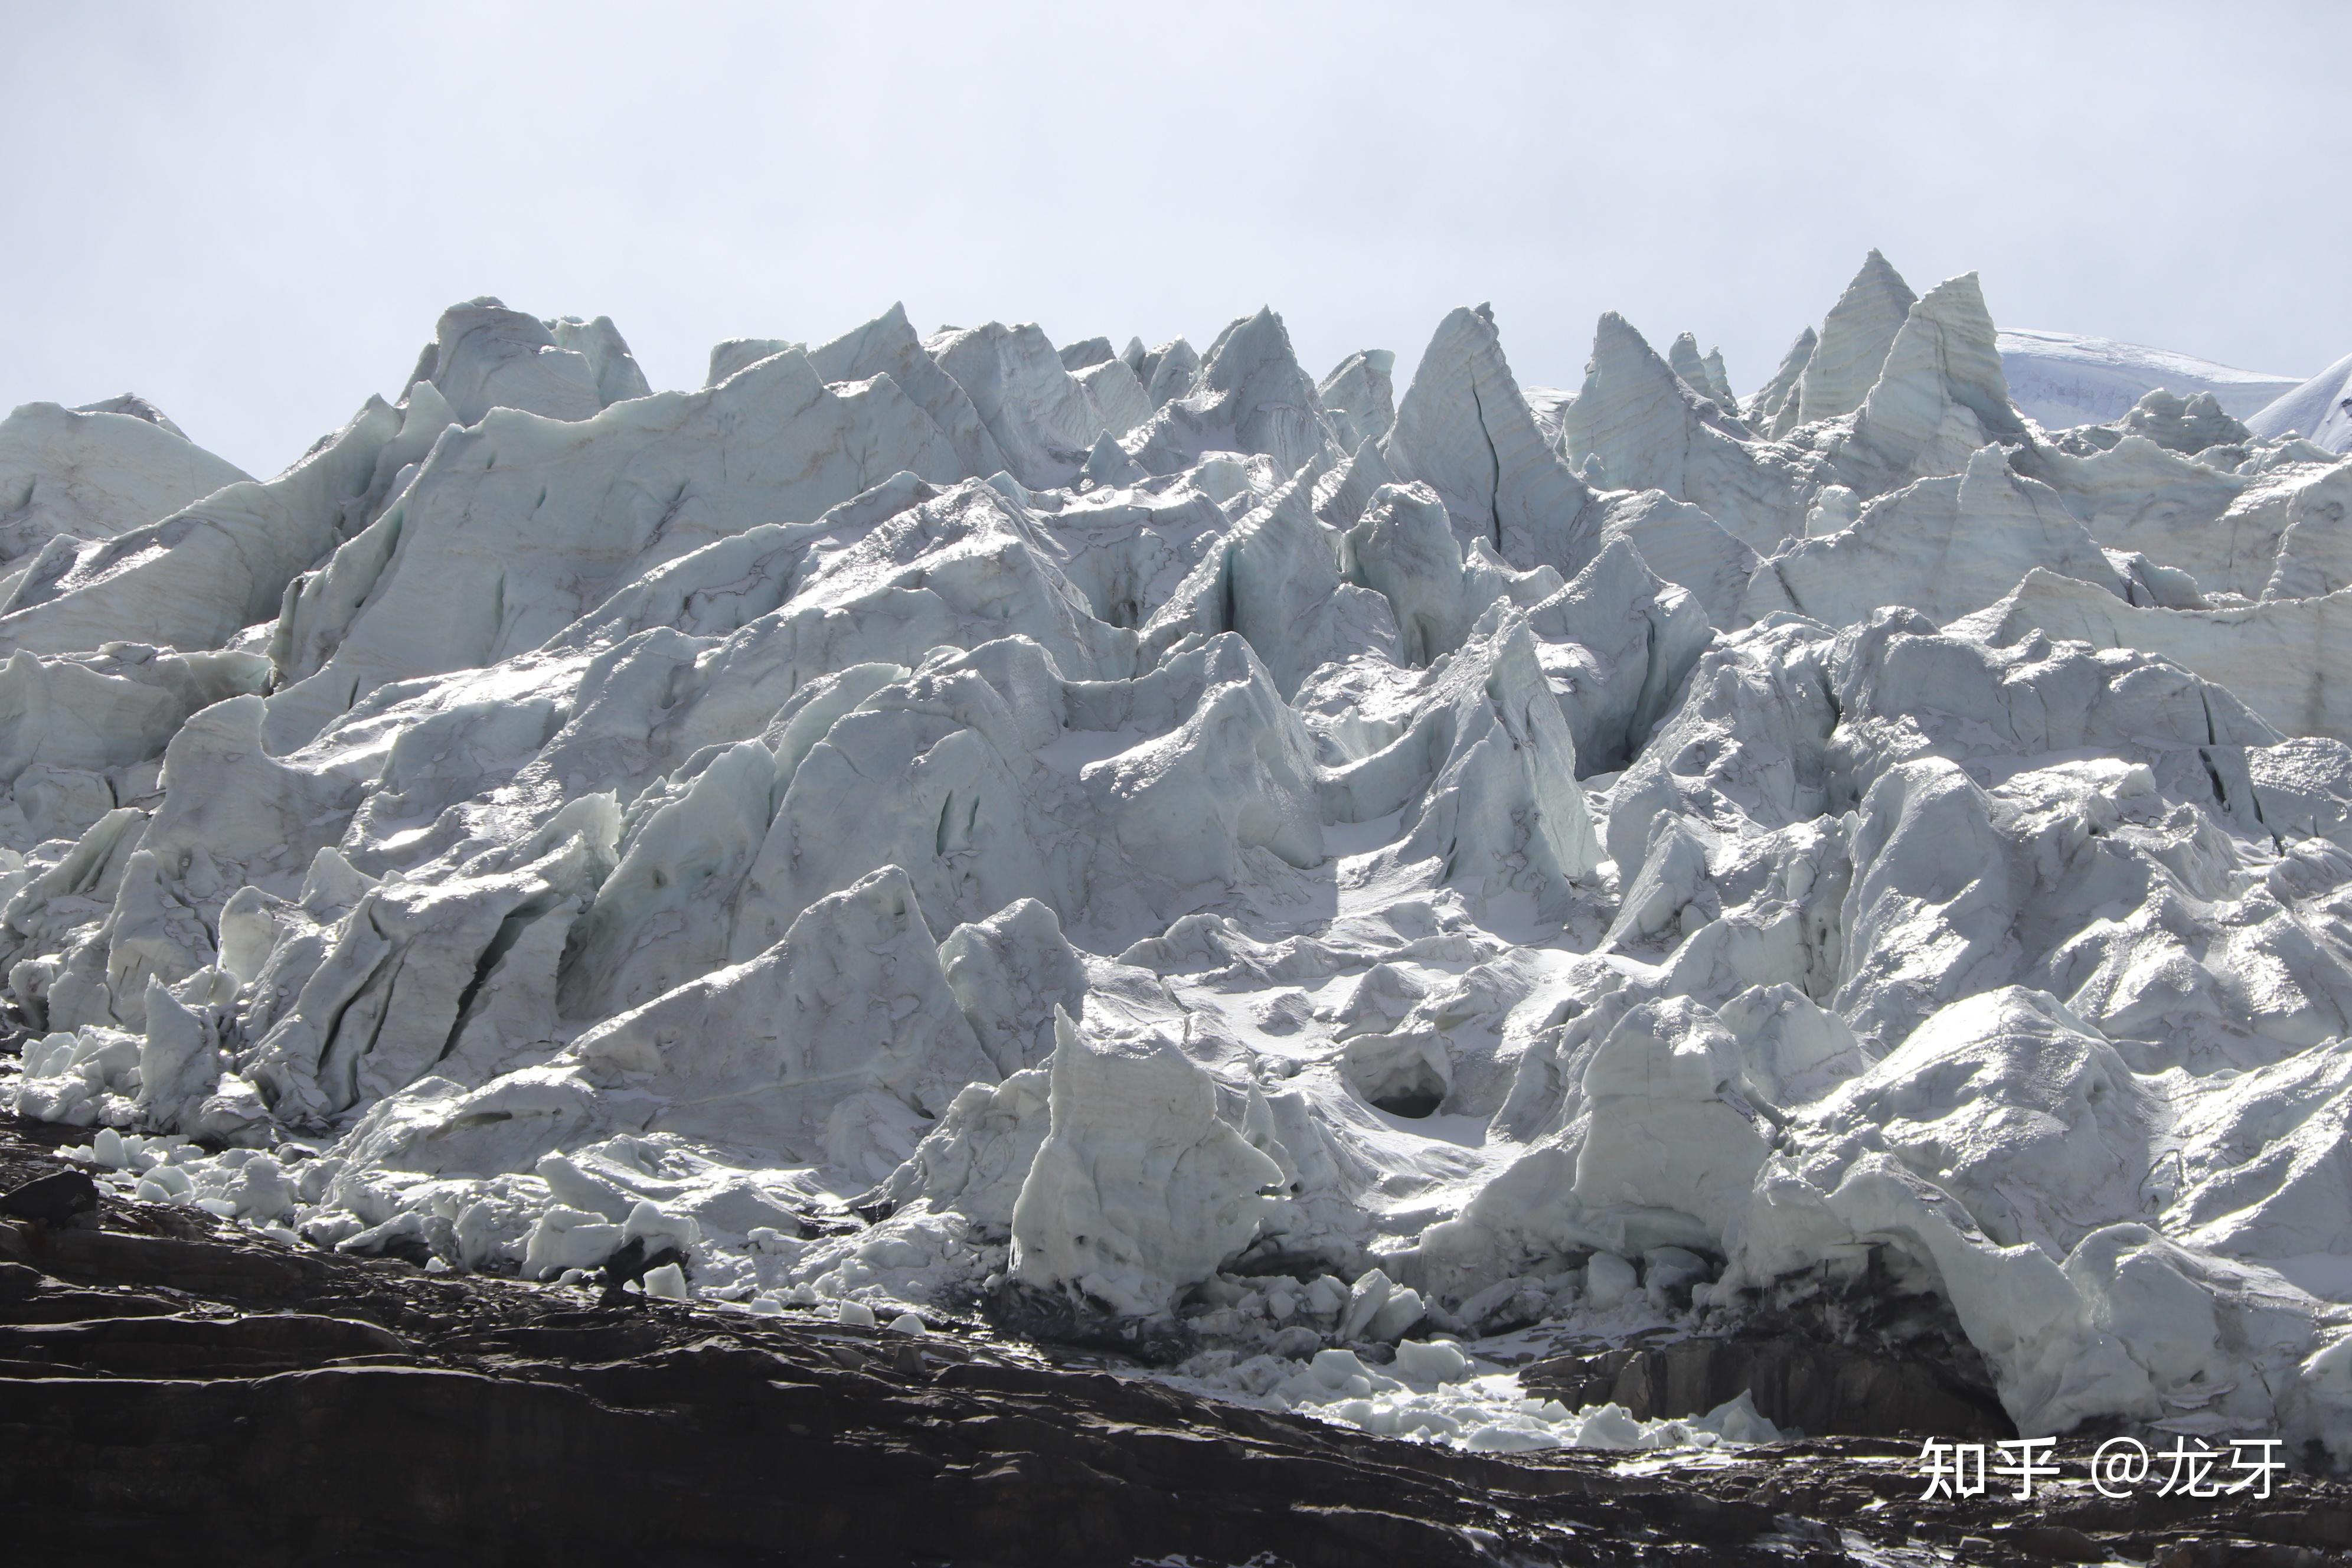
<point x="254" y="214"/>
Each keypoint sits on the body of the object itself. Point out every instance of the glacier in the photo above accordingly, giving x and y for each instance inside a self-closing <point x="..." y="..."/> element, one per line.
<point x="1158" y="848"/>
<point x="2319" y="409"/>
<point x="2063" y="379"/>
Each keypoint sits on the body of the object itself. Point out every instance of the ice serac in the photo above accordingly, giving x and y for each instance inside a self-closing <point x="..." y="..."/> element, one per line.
<point x="1250" y="396"/>
<point x="1686" y="546"/>
<point x="1940" y="395"/>
<point x="992" y="779"/>
<point x="691" y="843"/>
<point x="1404" y="547"/>
<point x="1649" y="1139"/>
<point x="401" y="975"/>
<point x="1482" y="772"/>
<point x="843" y="1029"/>
<point x="737" y="353"/>
<point x="2038" y="1240"/>
<point x="1358" y="397"/>
<point x="1139" y="1190"/>
<point x="610" y="361"/>
<point x="974" y="1161"/>
<point x="1703" y="373"/>
<point x="1617" y="644"/>
<point x="1664" y="1078"/>
<point x="1944" y="546"/>
<point x="1010" y="973"/>
<point x="2188" y="425"/>
<point x="2315" y="547"/>
<point x="1274" y="579"/>
<point x="1040" y="417"/>
<point x="485" y="356"/>
<point x="1234" y="781"/>
<point x="2220" y="526"/>
<point x="230" y="817"/>
<point x="68" y="721"/>
<point x="1763" y="410"/>
<point x="521" y="523"/>
<point x="90" y="474"/>
<point x="1648" y="429"/>
<point x="197" y="578"/>
<point x="136" y="407"/>
<point x="1855" y="339"/>
<point x="2320" y="410"/>
<point x="1464" y="430"/>
<point x="1747" y="744"/>
<point x="1719" y="380"/>
<point x="1625" y="376"/>
<point x="1167" y="372"/>
<point x="887" y="345"/>
<point x="2278" y="656"/>
<point x="1119" y="398"/>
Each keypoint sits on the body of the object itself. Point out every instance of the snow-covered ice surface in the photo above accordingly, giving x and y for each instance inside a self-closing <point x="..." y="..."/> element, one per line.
<point x="2061" y="379"/>
<point x="2320" y="410"/>
<point x="1301" y="878"/>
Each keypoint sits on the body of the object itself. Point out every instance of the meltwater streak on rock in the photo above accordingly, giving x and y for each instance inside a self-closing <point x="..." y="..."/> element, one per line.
<point x="1185" y="857"/>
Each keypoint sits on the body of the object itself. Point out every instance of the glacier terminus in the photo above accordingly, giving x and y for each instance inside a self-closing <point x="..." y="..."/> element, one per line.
<point x="1313" y="883"/>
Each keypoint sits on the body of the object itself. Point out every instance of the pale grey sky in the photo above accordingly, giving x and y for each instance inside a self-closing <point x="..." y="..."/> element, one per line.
<point x="253" y="214"/>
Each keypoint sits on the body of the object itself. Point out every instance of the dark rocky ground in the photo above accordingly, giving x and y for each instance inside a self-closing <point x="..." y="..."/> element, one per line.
<point x="169" y="1384"/>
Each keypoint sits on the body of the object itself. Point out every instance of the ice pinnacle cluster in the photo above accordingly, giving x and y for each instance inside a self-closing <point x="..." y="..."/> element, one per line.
<point x="1147" y="843"/>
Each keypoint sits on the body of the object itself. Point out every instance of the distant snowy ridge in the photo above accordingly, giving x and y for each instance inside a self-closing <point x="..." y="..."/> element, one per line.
<point x="2320" y="410"/>
<point x="2060" y="379"/>
<point x="1252" y="867"/>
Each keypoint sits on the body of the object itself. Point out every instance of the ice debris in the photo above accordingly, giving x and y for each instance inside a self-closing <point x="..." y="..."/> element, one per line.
<point x="1434" y="1392"/>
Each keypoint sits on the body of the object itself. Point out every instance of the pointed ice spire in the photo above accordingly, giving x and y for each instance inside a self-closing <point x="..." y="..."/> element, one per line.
<point x="887" y="345"/>
<point x="1781" y="390"/>
<point x="1167" y="372"/>
<point x="1250" y="397"/>
<point x="1719" y="380"/>
<point x="1466" y="430"/>
<point x="1634" y="410"/>
<point x="1685" y="359"/>
<point x="1109" y="464"/>
<point x="1943" y="393"/>
<point x="1702" y="375"/>
<point x="1360" y="398"/>
<point x="1649" y="430"/>
<point x="1856" y="337"/>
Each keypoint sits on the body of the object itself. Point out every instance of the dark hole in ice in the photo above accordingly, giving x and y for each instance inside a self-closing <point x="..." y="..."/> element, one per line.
<point x="1413" y="1103"/>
